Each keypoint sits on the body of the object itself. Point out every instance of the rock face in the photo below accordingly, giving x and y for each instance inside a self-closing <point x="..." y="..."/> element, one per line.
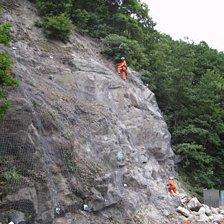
<point x="77" y="134"/>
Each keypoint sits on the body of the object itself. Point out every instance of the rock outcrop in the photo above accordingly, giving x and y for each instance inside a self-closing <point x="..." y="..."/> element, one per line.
<point x="77" y="135"/>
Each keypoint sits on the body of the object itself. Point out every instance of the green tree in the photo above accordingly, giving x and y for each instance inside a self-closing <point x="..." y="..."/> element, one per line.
<point x="51" y="8"/>
<point x="188" y="82"/>
<point x="57" y="27"/>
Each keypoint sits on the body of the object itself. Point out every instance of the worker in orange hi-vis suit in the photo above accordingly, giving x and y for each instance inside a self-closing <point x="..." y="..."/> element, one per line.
<point x="122" y="68"/>
<point x="172" y="187"/>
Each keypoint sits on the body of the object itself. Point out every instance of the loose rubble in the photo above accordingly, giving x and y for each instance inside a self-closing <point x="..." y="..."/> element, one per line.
<point x="198" y="212"/>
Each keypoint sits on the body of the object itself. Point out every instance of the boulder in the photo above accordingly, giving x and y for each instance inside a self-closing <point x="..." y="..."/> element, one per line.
<point x="202" y="210"/>
<point x="203" y="218"/>
<point x="183" y="211"/>
<point x="208" y="211"/>
<point x="215" y="210"/>
<point x="194" y="204"/>
<point x="184" y="199"/>
<point x="99" y="202"/>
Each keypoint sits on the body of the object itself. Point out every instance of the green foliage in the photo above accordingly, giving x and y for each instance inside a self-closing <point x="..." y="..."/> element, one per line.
<point x="5" y="74"/>
<point x="80" y="18"/>
<point x="197" y="161"/>
<point x="4" y="106"/>
<point x="193" y="189"/>
<point x="50" y="7"/>
<point x="57" y="27"/>
<point x="69" y="161"/>
<point x="188" y="80"/>
<point x="6" y="79"/>
<point x="5" y="33"/>
<point x="130" y="20"/>
<point x="12" y="176"/>
<point x="118" y="46"/>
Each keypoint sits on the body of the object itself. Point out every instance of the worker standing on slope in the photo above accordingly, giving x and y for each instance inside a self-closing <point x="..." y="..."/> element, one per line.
<point x="122" y="68"/>
<point x="172" y="187"/>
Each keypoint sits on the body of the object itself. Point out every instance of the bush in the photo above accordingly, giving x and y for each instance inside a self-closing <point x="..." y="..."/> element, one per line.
<point x="117" y="46"/>
<point x="69" y="161"/>
<point x="5" y="33"/>
<point x="50" y="7"/>
<point x="12" y="176"/>
<point x="57" y="27"/>
<point x="80" y="19"/>
<point x="6" y="78"/>
<point x="5" y="73"/>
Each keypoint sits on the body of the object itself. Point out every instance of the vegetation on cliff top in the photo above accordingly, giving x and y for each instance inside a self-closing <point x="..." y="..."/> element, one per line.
<point x="187" y="78"/>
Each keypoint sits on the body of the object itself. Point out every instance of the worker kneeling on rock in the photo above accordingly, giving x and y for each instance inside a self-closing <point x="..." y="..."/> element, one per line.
<point x="122" y="68"/>
<point x="171" y="185"/>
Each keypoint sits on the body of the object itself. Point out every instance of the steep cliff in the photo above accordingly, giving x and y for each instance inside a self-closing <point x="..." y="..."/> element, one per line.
<point x="77" y="135"/>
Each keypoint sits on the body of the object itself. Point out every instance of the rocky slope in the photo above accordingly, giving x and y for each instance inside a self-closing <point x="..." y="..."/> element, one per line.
<point x="79" y="135"/>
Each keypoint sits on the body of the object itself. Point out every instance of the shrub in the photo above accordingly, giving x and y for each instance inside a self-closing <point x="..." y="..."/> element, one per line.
<point x="5" y="73"/>
<point x="50" y="7"/>
<point x="117" y="46"/>
<point x="5" y="33"/>
<point x="57" y="27"/>
<point x="6" y="78"/>
<point x="12" y="176"/>
<point x="69" y="161"/>
<point x="80" y="19"/>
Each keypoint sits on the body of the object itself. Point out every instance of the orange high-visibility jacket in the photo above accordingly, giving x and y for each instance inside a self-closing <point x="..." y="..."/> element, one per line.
<point x="171" y="185"/>
<point x="121" y="66"/>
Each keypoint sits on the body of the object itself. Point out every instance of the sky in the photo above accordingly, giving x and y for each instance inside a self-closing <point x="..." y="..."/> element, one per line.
<point x="196" y="19"/>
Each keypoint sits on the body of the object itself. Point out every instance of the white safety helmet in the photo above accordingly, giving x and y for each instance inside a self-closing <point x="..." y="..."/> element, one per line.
<point x="122" y="58"/>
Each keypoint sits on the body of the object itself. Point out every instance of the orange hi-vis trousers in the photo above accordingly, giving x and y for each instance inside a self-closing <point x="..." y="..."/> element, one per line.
<point x="122" y="69"/>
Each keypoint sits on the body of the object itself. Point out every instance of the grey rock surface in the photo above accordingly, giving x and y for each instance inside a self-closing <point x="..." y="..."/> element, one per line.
<point x="183" y="211"/>
<point x="83" y="135"/>
<point x="194" y="204"/>
<point x="17" y="217"/>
